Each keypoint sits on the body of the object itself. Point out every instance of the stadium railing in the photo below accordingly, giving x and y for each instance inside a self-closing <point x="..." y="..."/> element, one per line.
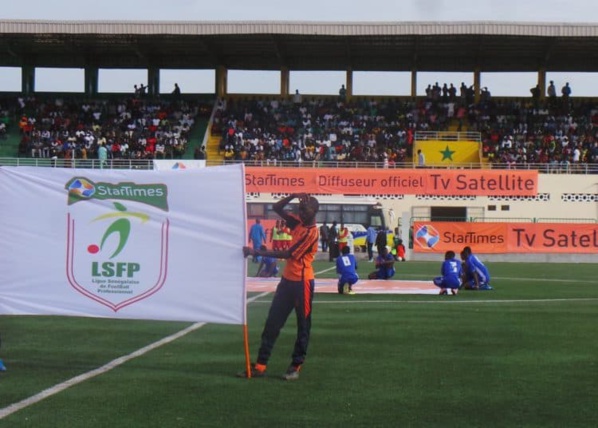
<point x="148" y="164"/>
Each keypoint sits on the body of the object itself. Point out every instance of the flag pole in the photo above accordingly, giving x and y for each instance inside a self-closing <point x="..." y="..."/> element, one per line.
<point x="247" y="353"/>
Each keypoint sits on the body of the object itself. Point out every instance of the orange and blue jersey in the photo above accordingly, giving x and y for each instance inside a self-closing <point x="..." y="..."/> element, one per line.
<point x="303" y="250"/>
<point x="294" y="291"/>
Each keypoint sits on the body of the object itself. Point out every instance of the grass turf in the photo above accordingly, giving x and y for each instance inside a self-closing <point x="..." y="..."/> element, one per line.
<point x="521" y="355"/>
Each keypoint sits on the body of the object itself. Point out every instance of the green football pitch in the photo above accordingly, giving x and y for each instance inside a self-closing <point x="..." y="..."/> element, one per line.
<point x="522" y="355"/>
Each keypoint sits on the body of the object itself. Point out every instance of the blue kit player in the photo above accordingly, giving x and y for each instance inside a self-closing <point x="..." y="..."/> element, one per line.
<point x="475" y="273"/>
<point x="346" y="268"/>
<point x="384" y="265"/>
<point x="268" y="265"/>
<point x="451" y="272"/>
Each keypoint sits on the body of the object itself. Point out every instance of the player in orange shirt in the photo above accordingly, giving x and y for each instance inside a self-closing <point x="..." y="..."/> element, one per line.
<point x="296" y="287"/>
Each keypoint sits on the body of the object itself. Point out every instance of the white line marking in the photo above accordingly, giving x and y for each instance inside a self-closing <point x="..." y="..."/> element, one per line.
<point x="496" y="278"/>
<point x="451" y="301"/>
<point x="9" y="410"/>
<point x="326" y="270"/>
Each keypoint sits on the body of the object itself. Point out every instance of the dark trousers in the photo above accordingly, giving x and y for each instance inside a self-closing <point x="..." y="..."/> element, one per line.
<point x="297" y="295"/>
<point x="325" y="245"/>
<point x="370" y="246"/>
<point x="333" y="251"/>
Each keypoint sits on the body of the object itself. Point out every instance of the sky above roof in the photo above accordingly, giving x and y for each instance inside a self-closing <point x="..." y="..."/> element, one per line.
<point x="307" y="10"/>
<point x="551" y="11"/>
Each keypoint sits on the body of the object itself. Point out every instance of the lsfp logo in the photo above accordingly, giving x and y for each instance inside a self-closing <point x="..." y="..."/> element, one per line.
<point x="117" y="240"/>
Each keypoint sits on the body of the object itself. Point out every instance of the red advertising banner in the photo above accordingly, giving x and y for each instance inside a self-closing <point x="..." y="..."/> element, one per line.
<point x="439" y="237"/>
<point x="392" y="181"/>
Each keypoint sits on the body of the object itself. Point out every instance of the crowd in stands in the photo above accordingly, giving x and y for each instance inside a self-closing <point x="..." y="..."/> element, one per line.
<point x="554" y="131"/>
<point x="558" y="131"/>
<point x="129" y="127"/>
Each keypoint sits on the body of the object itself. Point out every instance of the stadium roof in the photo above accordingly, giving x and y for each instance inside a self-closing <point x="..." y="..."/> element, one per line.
<point x="371" y="46"/>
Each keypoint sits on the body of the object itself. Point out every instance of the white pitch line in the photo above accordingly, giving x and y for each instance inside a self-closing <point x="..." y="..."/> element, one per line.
<point x="496" y="278"/>
<point x="9" y="410"/>
<point x="450" y="301"/>
<point x="326" y="270"/>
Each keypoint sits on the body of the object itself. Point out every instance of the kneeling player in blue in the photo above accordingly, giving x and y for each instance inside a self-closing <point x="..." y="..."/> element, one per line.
<point x="346" y="268"/>
<point x="451" y="272"/>
<point x="384" y="265"/>
<point x="268" y="265"/>
<point x="475" y="273"/>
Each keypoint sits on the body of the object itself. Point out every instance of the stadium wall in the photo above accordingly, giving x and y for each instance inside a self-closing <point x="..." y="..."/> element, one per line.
<point x="561" y="198"/>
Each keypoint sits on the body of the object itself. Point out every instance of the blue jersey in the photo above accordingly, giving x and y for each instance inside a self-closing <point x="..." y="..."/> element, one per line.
<point x="451" y="273"/>
<point x="474" y="265"/>
<point x="385" y="272"/>
<point x="346" y="267"/>
<point x="269" y="268"/>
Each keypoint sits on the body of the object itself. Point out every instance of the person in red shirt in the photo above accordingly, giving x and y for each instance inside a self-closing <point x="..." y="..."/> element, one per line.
<point x="296" y="287"/>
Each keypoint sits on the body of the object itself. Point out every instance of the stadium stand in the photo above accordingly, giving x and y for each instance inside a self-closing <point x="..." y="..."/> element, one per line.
<point x="512" y="133"/>
<point x="556" y="135"/>
<point x="73" y="128"/>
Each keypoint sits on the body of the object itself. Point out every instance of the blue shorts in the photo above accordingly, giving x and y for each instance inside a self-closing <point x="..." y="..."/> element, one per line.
<point x="442" y="282"/>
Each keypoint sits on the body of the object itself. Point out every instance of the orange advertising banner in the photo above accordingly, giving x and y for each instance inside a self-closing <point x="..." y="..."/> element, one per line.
<point x="392" y="181"/>
<point x="439" y="237"/>
<point x="552" y="238"/>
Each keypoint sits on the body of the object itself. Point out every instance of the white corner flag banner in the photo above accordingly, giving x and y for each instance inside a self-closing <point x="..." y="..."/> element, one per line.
<point x="156" y="245"/>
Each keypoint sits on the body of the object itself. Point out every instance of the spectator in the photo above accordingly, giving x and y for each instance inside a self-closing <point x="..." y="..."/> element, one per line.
<point x="2" y="366"/>
<point x="370" y="240"/>
<point x="333" y="251"/>
<point x="176" y="91"/>
<point x="381" y="240"/>
<point x="102" y="155"/>
<point x="421" y="159"/>
<point x="324" y="237"/>
<point x="275" y="237"/>
<point x="257" y="237"/>
<point x="343" y="237"/>
<point x="342" y="94"/>
<point x="551" y="91"/>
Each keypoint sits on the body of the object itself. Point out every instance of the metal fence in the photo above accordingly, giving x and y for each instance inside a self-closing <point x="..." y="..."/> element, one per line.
<point x="448" y="136"/>
<point x="148" y="164"/>
<point x="505" y="219"/>
<point x="565" y="220"/>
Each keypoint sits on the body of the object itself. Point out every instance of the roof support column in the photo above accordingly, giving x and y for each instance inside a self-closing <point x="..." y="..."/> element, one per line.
<point x="28" y="79"/>
<point x="153" y="81"/>
<point x="221" y="81"/>
<point x="91" y="81"/>
<point x="349" y="83"/>
<point x="476" y="84"/>
<point x="413" y="83"/>
<point x="542" y="83"/>
<point x="284" y="82"/>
